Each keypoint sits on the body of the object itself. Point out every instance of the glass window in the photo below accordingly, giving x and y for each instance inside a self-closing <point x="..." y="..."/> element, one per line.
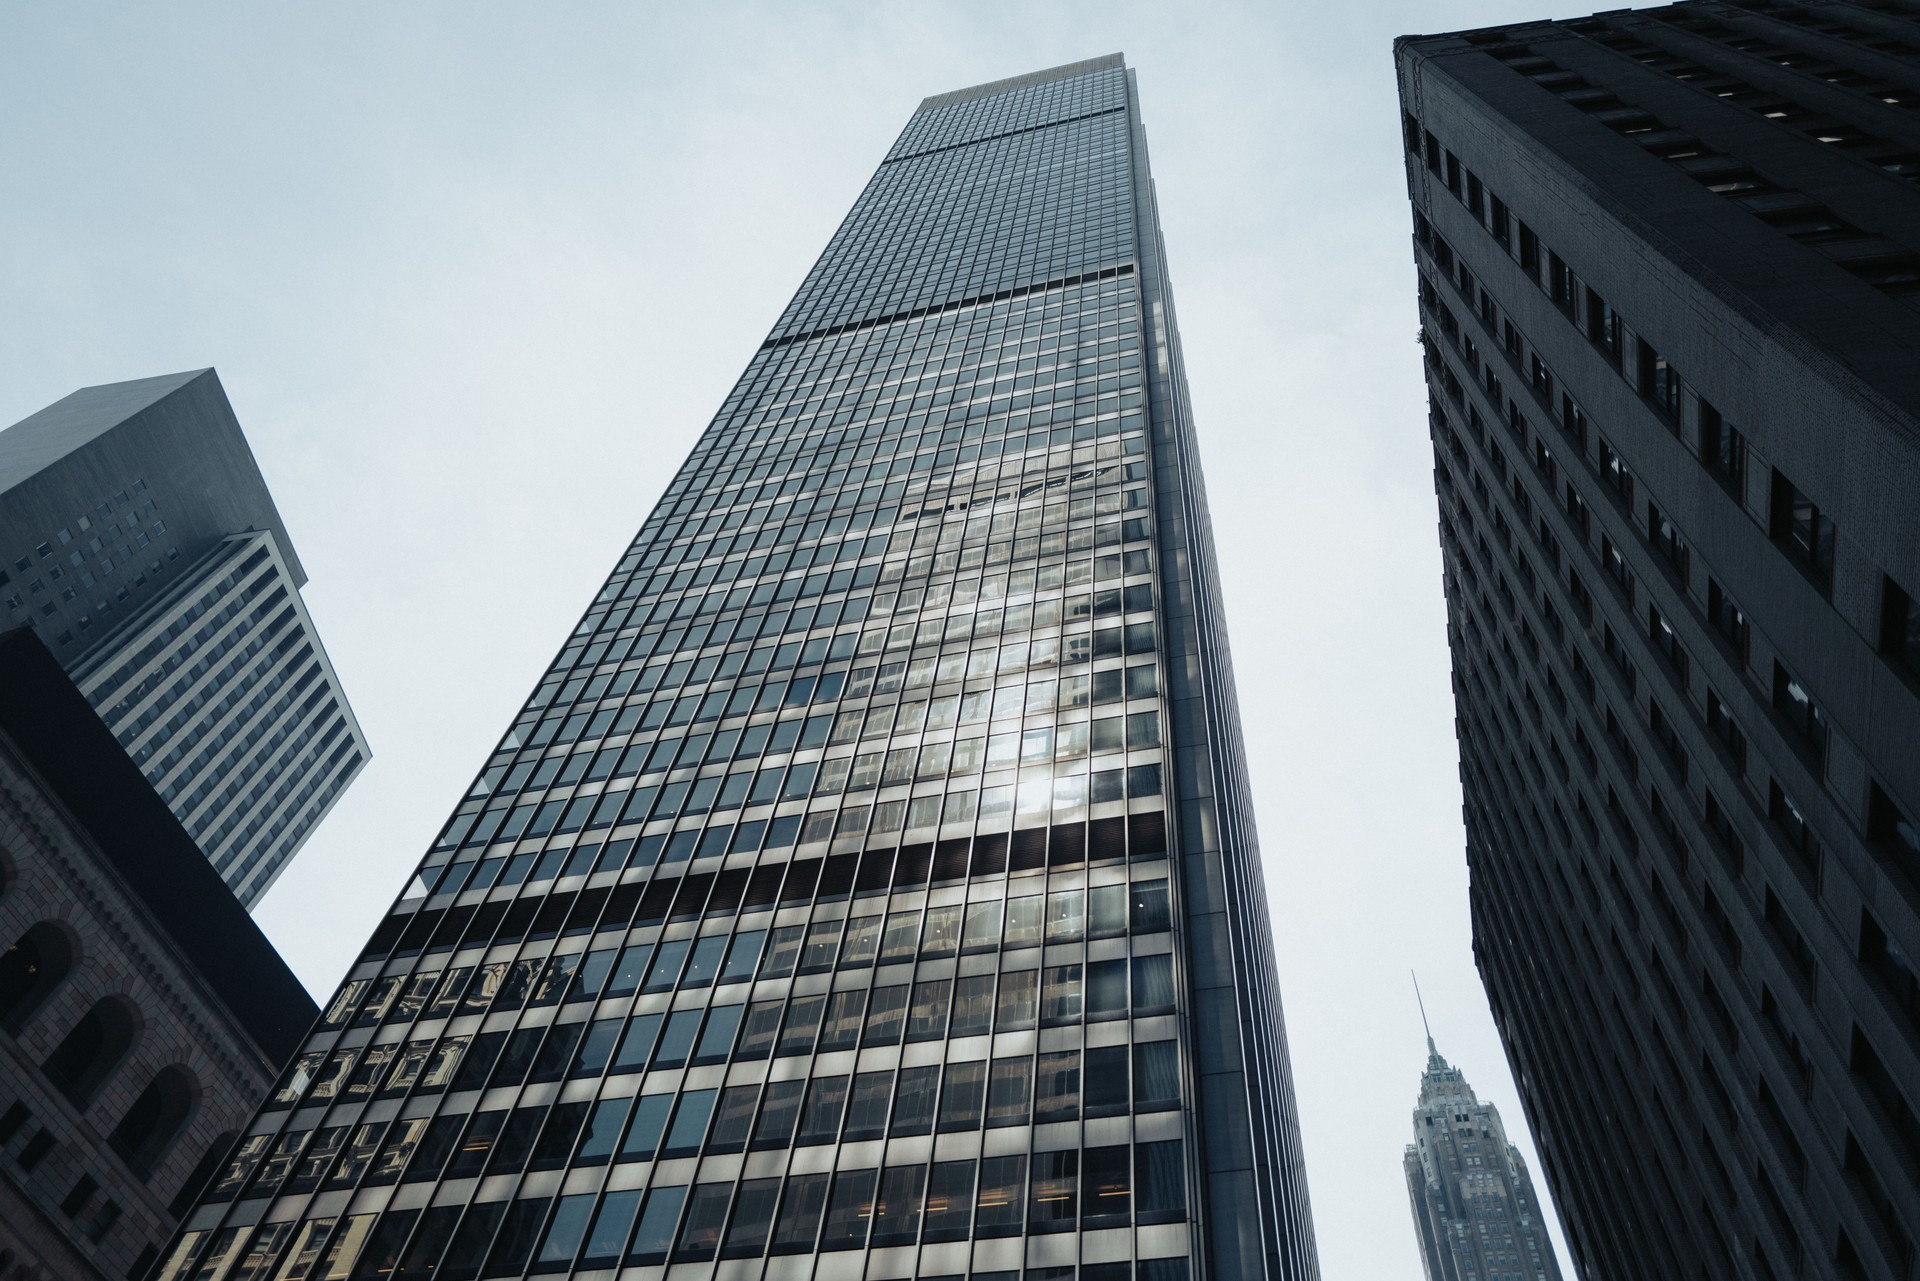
<point x="826" y="1100"/>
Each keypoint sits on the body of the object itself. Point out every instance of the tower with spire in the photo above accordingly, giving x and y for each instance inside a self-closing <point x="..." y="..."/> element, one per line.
<point x="1474" y="1209"/>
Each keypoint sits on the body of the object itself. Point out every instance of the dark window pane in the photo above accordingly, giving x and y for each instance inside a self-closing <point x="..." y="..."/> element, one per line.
<point x="913" y="1100"/>
<point x="849" y="1210"/>
<point x="826" y="1100"/>
<point x="1107" y="990"/>
<point x="1003" y="1181"/>
<point x="800" y="1210"/>
<point x="636" y="1044"/>
<point x="779" y="1110"/>
<point x="657" y="1221"/>
<point x="1156" y="1075"/>
<point x="608" y="1235"/>
<point x="649" y="1122"/>
<point x="1106" y="1189"/>
<point x="886" y="1015"/>
<point x="1052" y="1203"/>
<point x="844" y="1014"/>
<point x="1010" y="1091"/>
<point x="1161" y="1189"/>
<point x="516" y="1237"/>
<point x="752" y="1217"/>
<point x="896" y="1216"/>
<point x="972" y="1006"/>
<point x="689" y="1122"/>
<point x="676" y="1041"/>
<point x="928" y="1019"/>
<point x="1057" y="1090"/>
<point x="949" y="1201"/>
<point x="1106" y="1080"/>
<point x="706" y="1214"/>
<point x="602" y="1130"/>
<point x="733" y="1118"/>
<point x="963" y="1094"/>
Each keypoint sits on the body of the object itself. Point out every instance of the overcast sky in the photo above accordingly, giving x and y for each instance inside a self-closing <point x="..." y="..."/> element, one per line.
<point x="476" y="276"/>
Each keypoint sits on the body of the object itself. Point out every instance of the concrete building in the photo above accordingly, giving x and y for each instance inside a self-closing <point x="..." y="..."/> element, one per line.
<point x="142" y="1015"/>
<point x="1669" y="263"/>
<point x="1474" y="1208"/>
<point x="868" y="890"/>
<point x="138" y="540"/>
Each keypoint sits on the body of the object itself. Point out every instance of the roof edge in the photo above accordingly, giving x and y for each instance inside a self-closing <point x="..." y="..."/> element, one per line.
<point x="1064" y="72"/>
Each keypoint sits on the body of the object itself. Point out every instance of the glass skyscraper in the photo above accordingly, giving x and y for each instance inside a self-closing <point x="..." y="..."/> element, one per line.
<point x="869" y="888"/>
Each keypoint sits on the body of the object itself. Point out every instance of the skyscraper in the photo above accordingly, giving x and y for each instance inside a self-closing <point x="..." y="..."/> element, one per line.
<point x="141" y="545"/>
<point x="1474" y="1207"/>
<point x="1669" y="263"/>
<point x="869" y="888"/>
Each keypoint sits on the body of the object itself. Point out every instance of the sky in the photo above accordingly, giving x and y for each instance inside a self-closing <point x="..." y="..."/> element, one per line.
<point x="476" y="276"/>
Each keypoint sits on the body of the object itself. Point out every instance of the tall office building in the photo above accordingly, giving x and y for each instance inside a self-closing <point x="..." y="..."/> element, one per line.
<point x="138" y="540"/>
<point x="1669" y="263"/>
<point x="869" y="889"/>
<point x="1474" y="1207"/>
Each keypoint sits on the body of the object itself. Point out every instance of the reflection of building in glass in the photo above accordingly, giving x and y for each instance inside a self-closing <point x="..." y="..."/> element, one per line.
<point x="869" y="888"/>
<point x="1668" y="266"/>
<point x="141" y="545"/>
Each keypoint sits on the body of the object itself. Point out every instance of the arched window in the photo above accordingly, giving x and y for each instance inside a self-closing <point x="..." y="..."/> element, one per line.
<point x="151" y="1124"/>
<point x="30" y="970"/>
<point x="95" y="1046"/>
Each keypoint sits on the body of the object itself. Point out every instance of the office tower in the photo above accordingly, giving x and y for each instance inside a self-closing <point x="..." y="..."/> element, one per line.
<point x="142" y="1014"/>
<point x="868" y="889"/>
<point x="1669" y="262"/>
<point x="140" y="543"/>
<point x="1473" y="1202"/>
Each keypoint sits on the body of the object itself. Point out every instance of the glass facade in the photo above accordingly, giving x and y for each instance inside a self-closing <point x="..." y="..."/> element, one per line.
<point x="825" y="912"/>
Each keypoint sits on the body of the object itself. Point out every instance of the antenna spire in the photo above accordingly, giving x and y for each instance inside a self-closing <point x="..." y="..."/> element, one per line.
<point x="1431" y="1051"/>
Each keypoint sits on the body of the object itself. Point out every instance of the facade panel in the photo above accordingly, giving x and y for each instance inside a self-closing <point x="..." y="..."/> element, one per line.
<point x="1669" y="263"/>
<point x="829" y="910"/>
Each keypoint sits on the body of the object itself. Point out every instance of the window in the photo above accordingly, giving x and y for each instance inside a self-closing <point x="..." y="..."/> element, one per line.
<point x="1722" y="448"/>
<point x="1666" y="539"/>
<point x="1797" y="525"/>
<point x="80" y="1064"/>
<point x="1613" y="470"/>
<point x="1603" y="326"/>
<point x="1727" y="619"/>
<point x="1899" y="626"/>
<point x="1659" y="382"/>
<point x="1892" y="832"/>
<point x="36" y="964"/>
<point x="1792" y="700"/>
<point x="1660" y="632"/>
<point x="148" y="1128"/>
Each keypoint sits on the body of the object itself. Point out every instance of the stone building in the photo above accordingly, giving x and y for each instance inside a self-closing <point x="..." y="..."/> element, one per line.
<point x="142" y="1014"/>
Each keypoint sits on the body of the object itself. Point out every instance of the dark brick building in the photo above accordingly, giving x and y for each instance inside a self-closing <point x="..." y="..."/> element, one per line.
<point x="142" y="1014"/>
<point x="1669" y="263"/>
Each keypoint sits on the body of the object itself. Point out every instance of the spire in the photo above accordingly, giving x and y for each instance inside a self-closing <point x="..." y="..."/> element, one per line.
<point x="1433" y="1055"/>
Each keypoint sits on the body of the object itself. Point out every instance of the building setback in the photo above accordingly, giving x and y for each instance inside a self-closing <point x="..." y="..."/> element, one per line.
<point x="142" y="1014"/>
<point x="1474" y="1207"/>
<point x="138" y="540"/>
<point x="869" y="888"/>
<point x="1669" y="262"/>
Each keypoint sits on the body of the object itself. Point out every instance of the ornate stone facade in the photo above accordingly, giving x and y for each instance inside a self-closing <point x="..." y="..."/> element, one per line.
<point x="131" y="1031"/>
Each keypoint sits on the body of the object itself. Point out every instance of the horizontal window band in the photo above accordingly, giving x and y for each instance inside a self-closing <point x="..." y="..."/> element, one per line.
<point x="1019" y="291"/>
<point x="1010" y="133"/>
